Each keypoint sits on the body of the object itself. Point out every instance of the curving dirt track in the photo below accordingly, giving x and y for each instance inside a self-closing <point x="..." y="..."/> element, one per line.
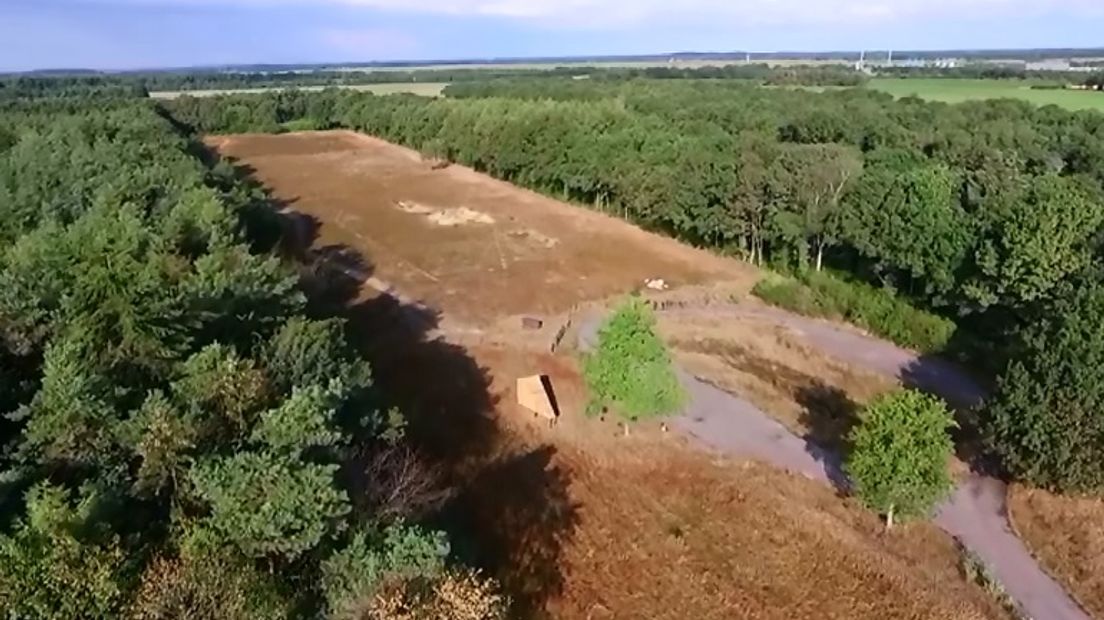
<point x="975" y="513"/>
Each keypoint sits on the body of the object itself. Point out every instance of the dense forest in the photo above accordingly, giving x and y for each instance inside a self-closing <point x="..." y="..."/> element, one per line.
<point x="187" y="432"/>
<point x="988" y="213"/>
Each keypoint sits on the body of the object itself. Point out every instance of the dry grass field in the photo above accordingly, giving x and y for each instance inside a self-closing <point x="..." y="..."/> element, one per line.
<point x="476" y="248"/>
<point x="1067" y="535"/>
<point x="581" y="522"/>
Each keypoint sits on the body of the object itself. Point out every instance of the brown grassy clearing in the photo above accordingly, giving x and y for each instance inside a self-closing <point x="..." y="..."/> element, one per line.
<point x="579" y="522"/>
<point x="810" y="393"/>
<point x="589" y="524"/>
<point x="352" y="185"/>
<point x="1066" y="534"/>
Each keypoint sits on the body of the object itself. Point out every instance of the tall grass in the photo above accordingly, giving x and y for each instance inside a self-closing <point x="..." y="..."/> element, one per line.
<point x="880" y="311"/>
<point x="976" y="571"/>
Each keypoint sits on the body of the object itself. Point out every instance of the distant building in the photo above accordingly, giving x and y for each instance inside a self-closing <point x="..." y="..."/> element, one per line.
<point x="1049" y="64"/>
<point x="925" y="63"/>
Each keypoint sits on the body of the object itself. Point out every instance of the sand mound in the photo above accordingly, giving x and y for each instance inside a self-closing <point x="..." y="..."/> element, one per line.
<point x="534" y="237"/>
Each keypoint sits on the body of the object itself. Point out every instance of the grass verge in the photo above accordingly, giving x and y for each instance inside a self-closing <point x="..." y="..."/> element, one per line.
<point x="976" y="571"/>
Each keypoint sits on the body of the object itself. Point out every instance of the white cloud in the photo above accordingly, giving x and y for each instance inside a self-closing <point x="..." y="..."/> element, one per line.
<point x="613" y="11"/>
<point x="609" y="13"/>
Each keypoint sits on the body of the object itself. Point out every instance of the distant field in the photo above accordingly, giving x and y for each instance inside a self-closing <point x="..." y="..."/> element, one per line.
<point x="425" y="89"/>
<point x="959" y="90"/>
<point x="624" y="64"/>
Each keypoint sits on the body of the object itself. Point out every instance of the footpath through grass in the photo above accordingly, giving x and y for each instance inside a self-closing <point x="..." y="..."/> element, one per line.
<point x="821" y="294"/>
<point x="955" y="90"/>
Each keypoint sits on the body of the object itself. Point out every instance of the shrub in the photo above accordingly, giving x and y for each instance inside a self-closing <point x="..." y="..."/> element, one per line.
<point x="356" y="573"/>
<point x="630" y="369"/>
<point x="48" y="571"/>
<point x="1044" y="421"/>
<point x="456" y="595"/>
<point x="899" y="453"/>
<point x="976" y="571"/>
<point x="302" y="124"/>
<point x="208" y="586"/>
<point x="878" y="310"/>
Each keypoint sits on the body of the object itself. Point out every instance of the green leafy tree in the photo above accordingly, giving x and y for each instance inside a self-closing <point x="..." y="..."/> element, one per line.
<point x="631" y="369"/>
<point x="1043" y="234"/>
<point x="905" y="215"/>
<point x="808" y="182"/>
<point x="1045" y="420"/>
<point x="899" y="454"/>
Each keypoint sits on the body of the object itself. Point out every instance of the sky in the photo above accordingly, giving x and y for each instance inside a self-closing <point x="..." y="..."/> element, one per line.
<point x="137" y="34"/>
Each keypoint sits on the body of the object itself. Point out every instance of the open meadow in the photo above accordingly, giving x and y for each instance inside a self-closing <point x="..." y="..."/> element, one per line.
<point x="954" y="90"/>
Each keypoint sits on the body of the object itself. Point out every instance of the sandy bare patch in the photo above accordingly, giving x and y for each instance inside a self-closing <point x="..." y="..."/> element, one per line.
<point x="458" y="216"/>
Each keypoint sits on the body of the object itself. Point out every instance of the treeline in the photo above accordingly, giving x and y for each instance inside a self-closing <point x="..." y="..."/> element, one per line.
<point x="988" y="71"/>
<point x="183" y="428"/>
<point x="138" y="84"/>
<point x="84" y="86"/>
<point x="987" y="212"/>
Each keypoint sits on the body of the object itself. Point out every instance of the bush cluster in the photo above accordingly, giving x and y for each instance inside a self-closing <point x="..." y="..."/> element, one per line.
<point x="880" y="311"/>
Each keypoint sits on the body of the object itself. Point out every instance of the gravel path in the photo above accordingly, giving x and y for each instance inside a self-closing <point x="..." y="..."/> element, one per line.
<point x="975" y="513"/>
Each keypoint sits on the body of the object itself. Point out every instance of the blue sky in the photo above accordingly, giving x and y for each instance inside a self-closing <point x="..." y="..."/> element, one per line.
<point x="125" y="34"/>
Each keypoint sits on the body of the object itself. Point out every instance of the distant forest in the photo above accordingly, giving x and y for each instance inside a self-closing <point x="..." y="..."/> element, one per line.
<point x="139" y="84"/>
<point x="762" y="74"/>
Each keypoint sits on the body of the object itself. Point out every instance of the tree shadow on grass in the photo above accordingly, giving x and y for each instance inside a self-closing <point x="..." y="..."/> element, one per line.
<point x="521" y="515"/>
<point x="513" y="506"/>
<point x="965" y="396"/>
<point x="829" y="414"/>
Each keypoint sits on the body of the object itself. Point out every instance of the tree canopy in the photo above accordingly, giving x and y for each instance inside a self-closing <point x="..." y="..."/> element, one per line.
<point x="177" y="430"/>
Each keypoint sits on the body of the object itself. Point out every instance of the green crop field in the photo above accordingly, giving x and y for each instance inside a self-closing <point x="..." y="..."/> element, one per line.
<point x="958" y="90"/>
<point x="426" y="89"/>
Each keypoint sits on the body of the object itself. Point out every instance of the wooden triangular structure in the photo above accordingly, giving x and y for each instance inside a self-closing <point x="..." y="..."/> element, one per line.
<point x="535" y="394"/>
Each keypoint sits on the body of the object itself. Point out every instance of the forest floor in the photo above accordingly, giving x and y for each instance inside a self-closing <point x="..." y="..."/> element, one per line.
<point x="579" y="520"/>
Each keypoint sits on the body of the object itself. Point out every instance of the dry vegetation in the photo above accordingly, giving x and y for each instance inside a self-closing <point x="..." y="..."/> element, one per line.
<point x="580" y="522"/>
<point x="538" y="256"/>
<point x="650" y="527"/>
<point x="810" y="393"/>
<point x="1067" y="535"/>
